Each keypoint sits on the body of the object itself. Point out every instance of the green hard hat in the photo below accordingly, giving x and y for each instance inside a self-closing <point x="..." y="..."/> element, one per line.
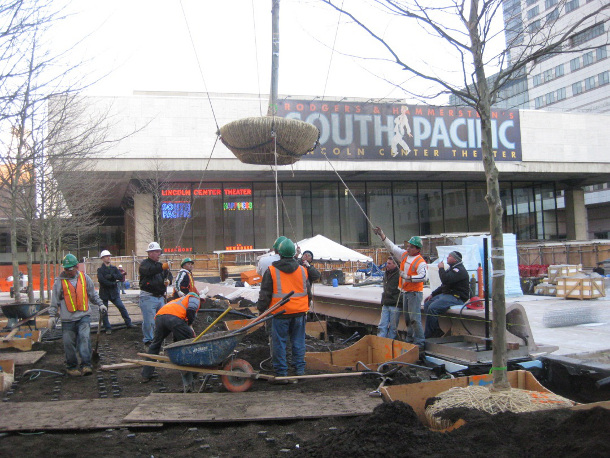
<point x="185" y="260"/>
<point x="278" y="242"/>
<point x="69" y="261"/>
<point x="287" y="249"/>
<point x="194" y="295"/>
<point x="415" y="241"/>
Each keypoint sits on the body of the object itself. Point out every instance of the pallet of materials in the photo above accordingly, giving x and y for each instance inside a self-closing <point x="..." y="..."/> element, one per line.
<point x="580" y="287"/>
<point x="545" y="289"/>
<point x="562" y="270"/>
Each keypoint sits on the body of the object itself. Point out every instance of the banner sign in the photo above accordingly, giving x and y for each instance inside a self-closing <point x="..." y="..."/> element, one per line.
<point x="402" y="132"/>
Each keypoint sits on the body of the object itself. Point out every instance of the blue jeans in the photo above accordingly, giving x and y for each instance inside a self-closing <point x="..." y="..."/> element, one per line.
<point x="281" y="329"/>
<point x="390" y="314"/>
<point x="119" y="304"/>
<point x="149" y="305"/>
<point x="435" y="307"/>
<point x="166" y="325"/>
<point x="77" y="338"/>
<point x="411" y="306"/>
<point x="121" y="285"/>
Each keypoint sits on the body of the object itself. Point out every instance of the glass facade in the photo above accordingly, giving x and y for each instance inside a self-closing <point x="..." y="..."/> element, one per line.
<point x="199" y="218"/>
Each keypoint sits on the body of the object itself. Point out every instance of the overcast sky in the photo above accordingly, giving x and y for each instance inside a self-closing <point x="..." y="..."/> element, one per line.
<point x="146" y="45"/>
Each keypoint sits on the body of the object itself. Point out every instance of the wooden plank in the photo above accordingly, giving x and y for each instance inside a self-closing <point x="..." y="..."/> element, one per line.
<point x="200" y="370"/>
<point x="81" y="414"/>
<point x="253" y="406"/>
<point x="119" y="366"/>
<point x="24" y="358"/>
<point x="19" y="344"/>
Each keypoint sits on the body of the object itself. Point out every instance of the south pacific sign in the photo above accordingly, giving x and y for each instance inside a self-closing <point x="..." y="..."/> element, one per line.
<point x="352" y="131"/>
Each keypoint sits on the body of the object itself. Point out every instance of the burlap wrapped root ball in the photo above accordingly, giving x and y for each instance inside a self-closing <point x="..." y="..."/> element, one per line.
<point x="252" y="141"/>
<point x="484" y="399"/>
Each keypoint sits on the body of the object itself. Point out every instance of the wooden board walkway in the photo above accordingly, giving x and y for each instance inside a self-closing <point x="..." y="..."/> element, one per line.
<point x="23" y="358"/>
<point x="252" y="406"/>
<point x="83" y="414"/>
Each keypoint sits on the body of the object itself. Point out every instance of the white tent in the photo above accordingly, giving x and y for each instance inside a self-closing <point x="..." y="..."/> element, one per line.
<point x="324" y="249"/>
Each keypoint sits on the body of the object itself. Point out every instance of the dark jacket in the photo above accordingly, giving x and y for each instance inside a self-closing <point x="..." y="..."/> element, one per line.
<point x="390" y="287"/>
<point x="286" y="265"/>
<point x="152" y="277"/>
<point x="455" y="281"/>
<point x="107" y="276"/>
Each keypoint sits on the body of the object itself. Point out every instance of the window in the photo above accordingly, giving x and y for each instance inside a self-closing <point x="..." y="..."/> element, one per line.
<point x="561" y="94"/>
<point x="601" y="53"/>
<point x="571" y="5"/>
<point x="577" y="88"/>
<point x="588" y="34"/>
<point x="553" y="15"/>
<point x="603" y="78"/>
<point x="590" y="83"/>
<point x="539" y="102"/>
<point x="531" y="2"/>
<point x="575" y="64"/>
<point x="533" y="12"/>
<point x="587" y="58"/>
<point x="549" y="98"/>
<point x="559" y="71"/>
<point x="548" y="75"/>
<point x="535" y="26"/>
<point x="537" y="81"/>
<point x="550" y="3"/>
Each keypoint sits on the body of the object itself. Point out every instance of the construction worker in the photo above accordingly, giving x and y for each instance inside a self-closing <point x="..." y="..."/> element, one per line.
<point x="390" y="311"/>
<point x="122" y="281"/>
<point x="176" y="318"/>
<point x="413" y="271"/>
<point x="454" y="290"/>
<point x="154" y="280"/>
<point x="280" y="278"/>
<point x="72" y="292"/>
<point x="267" y="259"/>
<point x="184" y="280"/>
<point x="108" y="277"/>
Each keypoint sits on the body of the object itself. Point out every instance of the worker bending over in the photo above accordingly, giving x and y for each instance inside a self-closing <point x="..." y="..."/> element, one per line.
<point x="71" y="294"/>
<point x="176" y="318"/>
<point x="280" y="278"/>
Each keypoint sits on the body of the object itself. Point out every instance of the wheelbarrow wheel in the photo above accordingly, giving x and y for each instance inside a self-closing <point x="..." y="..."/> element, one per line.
<point x="237" y="384"/>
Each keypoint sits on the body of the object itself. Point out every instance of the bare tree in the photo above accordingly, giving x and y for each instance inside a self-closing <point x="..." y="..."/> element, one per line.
<point x="467" y="31"/>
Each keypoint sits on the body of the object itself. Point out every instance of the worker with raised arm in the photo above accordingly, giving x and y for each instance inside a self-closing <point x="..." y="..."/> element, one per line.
<point x="154" y="280"/>
<point x="413" y="272"/>
<point x="108" y="276"/>
<point x="72" y="294"/>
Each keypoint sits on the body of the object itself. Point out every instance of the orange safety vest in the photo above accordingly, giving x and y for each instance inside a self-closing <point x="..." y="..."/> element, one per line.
<point x="283" y="283"/>
<point x="76" y="297"/>
<point x="406" y="285"/>
<point x="177" y="307"/>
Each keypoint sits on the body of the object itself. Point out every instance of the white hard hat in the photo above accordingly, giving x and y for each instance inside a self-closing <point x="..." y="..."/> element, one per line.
<point x="120" y="266"/>
<point x="105" y="253"/>
<point x="152" y="246"/>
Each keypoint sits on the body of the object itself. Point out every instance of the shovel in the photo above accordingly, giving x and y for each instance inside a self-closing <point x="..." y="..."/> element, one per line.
<point x="95" y="356"/>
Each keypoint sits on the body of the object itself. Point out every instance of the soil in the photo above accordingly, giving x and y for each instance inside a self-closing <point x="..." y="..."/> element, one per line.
<point x="392" y="429"/>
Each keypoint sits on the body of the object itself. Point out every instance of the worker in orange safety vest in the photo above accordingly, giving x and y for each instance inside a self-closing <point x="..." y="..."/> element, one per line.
<point x="282" y="277"/>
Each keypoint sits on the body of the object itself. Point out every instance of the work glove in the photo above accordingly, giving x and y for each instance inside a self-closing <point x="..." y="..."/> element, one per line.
<point x="404" y="276"/>
<point x="192" y="330"/>
<point x="103" y="309"/>
<point x="166" y="266"/>
<point x="180" y="294"/>
<point x="166" y="282"/>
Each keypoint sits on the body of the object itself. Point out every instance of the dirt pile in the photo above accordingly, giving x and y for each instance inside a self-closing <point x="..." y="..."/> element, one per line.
<point x="393" y="429"/>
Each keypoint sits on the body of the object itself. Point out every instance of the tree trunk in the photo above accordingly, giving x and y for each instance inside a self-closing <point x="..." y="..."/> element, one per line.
<point x="494" y="203"/>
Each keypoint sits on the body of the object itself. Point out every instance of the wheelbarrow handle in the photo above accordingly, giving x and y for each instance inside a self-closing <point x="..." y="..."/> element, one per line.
<point x="285" y="299"/>
<point x="251" y="325"/>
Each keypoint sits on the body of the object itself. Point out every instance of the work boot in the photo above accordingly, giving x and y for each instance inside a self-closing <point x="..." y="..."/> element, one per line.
<point x="87" y="370"/>
<point x="73" y="372"/>
<point x="108" y="332"/>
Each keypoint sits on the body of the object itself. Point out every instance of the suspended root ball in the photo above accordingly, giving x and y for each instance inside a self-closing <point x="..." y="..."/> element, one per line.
<point x="484" y="399"/>
<point x="256" y="140"/>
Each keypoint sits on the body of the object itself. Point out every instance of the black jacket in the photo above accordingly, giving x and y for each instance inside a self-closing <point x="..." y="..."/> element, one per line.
<point x="286" y="265"/>
<point x="152" y="277"/>
<point x="390" y="287"/>
<point x="107" y="276"/>
<point x="455" y="281"/>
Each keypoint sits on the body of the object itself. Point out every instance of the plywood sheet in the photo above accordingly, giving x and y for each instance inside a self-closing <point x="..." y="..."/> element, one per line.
<point x="68" y="415"/>
<point x="23" y="358"/>
<point x="249" y="406"/>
